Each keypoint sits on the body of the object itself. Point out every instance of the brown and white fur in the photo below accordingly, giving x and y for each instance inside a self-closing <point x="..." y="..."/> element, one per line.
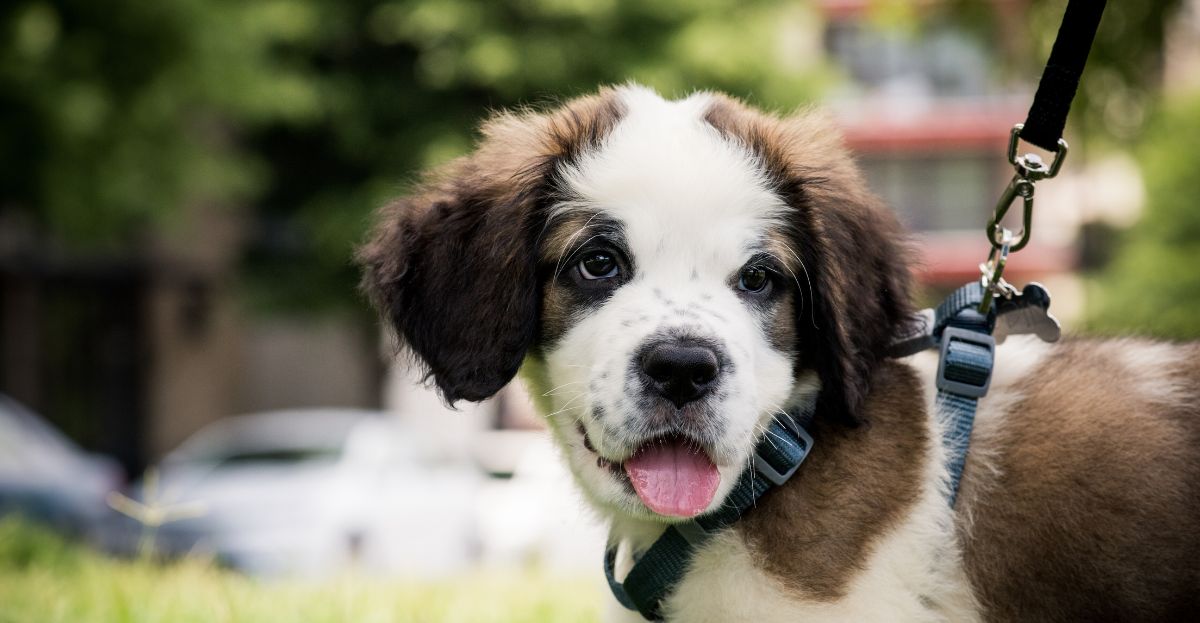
<point x="1081" y="494"/>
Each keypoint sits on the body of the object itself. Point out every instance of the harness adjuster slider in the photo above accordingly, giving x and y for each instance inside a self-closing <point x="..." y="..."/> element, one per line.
<point x="952" y="363"/>
<point x="770" y="472"/>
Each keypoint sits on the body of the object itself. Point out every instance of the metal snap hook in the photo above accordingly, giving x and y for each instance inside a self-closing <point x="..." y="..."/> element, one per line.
<point x="1018" y="187"/>
<point x="992" y="272"/>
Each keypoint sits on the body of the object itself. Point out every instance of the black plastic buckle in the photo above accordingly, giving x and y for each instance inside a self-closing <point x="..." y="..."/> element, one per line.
<point x="951" y="334"/>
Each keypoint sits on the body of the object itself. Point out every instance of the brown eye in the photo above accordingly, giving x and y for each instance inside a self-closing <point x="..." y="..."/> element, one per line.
<point x="598" y="265"/>
<point x="754" y="279"/>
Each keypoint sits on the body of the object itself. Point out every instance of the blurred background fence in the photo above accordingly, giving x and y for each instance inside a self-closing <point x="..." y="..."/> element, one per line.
<point x="182" y="182"/>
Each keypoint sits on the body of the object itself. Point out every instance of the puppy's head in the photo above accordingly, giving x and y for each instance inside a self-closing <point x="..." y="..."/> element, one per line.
<point x="675" y="274"/>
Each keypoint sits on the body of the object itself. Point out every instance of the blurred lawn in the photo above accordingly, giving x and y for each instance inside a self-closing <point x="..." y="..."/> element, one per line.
<point x="44" y="579"/>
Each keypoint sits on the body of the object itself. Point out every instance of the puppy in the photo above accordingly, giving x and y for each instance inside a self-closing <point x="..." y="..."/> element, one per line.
<point x="670" y="276"/>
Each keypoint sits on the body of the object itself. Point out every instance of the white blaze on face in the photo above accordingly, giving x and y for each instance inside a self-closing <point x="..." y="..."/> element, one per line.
<point x="693" y="208"/>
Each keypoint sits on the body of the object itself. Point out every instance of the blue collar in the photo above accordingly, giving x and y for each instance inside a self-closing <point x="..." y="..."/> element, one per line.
<point x="964" y="373"/>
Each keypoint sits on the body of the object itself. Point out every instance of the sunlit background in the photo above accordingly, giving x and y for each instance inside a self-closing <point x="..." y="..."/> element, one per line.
<point x="183" y="182"/>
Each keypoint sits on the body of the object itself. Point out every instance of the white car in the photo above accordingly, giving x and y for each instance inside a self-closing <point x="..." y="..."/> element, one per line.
<point x="46" y="478"/>
<point x="313" y="493"/>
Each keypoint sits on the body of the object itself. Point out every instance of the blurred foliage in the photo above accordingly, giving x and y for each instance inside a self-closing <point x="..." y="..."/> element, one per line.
<point x="116" y="113"/>
<point x="311" y="113"/>
<point x="1153" y="287"/>
<point x="48" y="580"/>
<point x="1120" y="87"/>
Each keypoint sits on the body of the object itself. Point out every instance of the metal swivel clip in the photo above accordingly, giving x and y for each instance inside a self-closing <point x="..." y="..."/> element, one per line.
<point x="1030" y="168"/>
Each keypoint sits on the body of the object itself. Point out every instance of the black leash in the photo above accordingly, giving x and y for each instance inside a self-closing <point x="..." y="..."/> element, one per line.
<point x="1048" y="114"/>
<point x="1043" y="127"/>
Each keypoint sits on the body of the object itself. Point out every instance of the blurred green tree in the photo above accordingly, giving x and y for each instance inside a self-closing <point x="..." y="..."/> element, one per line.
<point x="1120" y="87"/>
<point x="116" y="113"/>
<point x="311" y="113"/>
<point x="1153" y="287"/>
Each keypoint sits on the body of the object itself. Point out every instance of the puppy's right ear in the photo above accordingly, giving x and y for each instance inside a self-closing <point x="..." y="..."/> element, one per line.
<point x="453" y="267"/>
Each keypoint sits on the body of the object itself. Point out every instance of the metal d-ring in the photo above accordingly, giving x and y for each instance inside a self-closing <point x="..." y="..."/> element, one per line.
<point x="1030" y="165"/>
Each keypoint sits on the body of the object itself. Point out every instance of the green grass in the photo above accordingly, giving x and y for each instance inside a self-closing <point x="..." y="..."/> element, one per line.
<point x="44" y="579"/>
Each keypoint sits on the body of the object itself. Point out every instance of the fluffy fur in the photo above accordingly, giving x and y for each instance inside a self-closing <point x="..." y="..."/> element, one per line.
<point x="1079" y="450"/>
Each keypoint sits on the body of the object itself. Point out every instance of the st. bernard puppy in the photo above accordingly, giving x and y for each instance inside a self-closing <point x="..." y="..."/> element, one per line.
<point x="671" y="275"/>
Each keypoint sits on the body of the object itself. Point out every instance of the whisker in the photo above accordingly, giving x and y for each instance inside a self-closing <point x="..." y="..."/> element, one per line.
<point x="811" y="314"/>
<point x="568" y="404"/>
<point x="577" y="247"/>
<point x="788" y="269"/>
<point x="553" y="391"/>
<point x="563" y="256"/>
<point x="563" y="410"/>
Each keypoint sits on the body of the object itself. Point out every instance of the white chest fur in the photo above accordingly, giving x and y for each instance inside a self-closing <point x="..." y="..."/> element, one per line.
<point x="911" y="576"/>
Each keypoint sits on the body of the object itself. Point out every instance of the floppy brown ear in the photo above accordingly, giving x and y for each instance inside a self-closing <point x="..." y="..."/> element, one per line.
<point x="859" y="267"/>
<point x="853" y="250"/>
<point x="453" y="267"/>
<point x="454" y="276"/>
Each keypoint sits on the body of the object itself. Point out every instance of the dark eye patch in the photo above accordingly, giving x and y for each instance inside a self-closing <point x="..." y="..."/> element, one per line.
<point x="582" y="261"/>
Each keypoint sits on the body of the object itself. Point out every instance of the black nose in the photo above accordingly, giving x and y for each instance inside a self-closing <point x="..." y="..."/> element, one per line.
<point x="679" y="372"/>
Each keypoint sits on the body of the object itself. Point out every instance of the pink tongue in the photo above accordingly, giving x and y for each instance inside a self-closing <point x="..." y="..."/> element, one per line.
<point x="673" y="478"/>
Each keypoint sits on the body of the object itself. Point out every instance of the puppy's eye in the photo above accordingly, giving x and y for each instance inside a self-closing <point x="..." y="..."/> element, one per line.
<point x="754" y="279"/>
<point x="598" y="265"/>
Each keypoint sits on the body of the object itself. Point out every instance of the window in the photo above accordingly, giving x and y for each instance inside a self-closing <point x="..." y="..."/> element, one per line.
<point x="937" y="192"/>
<point x="939" y="61"/>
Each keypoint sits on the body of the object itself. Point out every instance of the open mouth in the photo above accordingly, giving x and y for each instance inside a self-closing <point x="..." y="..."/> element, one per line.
<point x="672" y="475"/>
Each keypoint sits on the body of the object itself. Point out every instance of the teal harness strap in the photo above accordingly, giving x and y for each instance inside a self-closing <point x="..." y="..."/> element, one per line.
<point x="656" y="572"/>
<point x="968" y="352"/>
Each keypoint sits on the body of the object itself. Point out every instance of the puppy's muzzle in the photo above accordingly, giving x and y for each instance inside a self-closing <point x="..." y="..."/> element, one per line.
<point x="680" y="371"/>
